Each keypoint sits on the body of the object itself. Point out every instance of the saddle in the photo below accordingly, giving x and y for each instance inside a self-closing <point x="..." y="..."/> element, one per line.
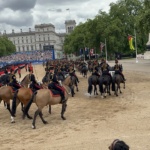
<point x="54" y="93"/>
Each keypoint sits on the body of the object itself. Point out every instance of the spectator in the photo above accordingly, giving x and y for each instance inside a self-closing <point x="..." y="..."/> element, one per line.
<point x="118" y="145"/>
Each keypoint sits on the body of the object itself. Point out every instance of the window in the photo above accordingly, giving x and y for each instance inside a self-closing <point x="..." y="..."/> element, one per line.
<point x="18" y="48"/>
<point x="27" y="48"/>
<point x="32" y="47"/>
<point x="23" y="48"/>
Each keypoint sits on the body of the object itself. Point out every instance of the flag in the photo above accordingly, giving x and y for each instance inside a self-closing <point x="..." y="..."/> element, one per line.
<point x="91" y="51"/>
<point x="130" y="38"/>
<point x="101" y="46"/>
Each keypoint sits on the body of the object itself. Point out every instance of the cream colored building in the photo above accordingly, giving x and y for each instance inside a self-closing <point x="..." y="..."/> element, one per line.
<point x="43" y="36"/>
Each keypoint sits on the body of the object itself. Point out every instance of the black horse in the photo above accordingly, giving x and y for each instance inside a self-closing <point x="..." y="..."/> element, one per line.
<point x="84" y="71"/>
<point x="104" y="85"/>
<point x="117" y="80"/>
<point x="92" y="81"/>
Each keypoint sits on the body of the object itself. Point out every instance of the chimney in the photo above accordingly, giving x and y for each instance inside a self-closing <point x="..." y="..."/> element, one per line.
<point x="29" y="29"/>
<point x="21" y="30"/>
<point x="12" y="30"/>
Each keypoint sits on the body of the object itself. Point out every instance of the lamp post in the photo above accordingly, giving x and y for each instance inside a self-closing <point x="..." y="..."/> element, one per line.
<point x="135" y="45"/>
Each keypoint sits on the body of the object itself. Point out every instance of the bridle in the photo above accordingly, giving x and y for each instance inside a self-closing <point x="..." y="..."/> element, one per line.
<point x="112" y="146"/>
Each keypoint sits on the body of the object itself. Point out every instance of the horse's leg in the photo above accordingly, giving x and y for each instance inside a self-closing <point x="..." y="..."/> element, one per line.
<point x="96" y="89"/>
<point x="63" y="111"/>
<point x="34" y="119"/>
<point x="124" y="85"/>
<point x="109" y="90"/>
<point x="12" y="117"/>
<point x="116" y="90"/>
<point x="22" y="108"/>
<point x="41" y="116"/>
<point x="120" y="89"/>
<point x="50" y="110"/>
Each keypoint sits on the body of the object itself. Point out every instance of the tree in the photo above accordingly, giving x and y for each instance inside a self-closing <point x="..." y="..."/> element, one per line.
<point x="6" y="46"/>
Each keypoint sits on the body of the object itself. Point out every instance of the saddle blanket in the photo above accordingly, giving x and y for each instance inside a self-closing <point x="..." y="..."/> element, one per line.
<point x="54" y="93"/>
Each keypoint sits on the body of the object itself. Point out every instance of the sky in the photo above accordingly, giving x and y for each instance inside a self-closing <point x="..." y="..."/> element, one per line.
<point x="24" y="14"/>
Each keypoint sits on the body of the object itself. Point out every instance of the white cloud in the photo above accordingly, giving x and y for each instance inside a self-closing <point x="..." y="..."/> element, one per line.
<point x="25" y="15"/>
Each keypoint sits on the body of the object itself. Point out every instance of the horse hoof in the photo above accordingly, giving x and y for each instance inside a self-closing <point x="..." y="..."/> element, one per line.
<point x="12" y="121"/>
<point x="33" y="127"/>
<point x="30" y="117"/>
<point x="63" y="118"/>
<point x="102" y="96"/>
<point x="45" y="122"/>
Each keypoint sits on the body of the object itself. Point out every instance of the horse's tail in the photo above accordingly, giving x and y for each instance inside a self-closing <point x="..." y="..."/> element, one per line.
<point x="90" y="87"/>
<point x="14" y="103"/>
<point x="26" y="109"/>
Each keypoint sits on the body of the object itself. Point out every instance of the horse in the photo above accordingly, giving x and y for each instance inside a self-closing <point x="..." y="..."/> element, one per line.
<point x="69" y="82"/>
<point x="74" y="82"/>
<point x="44" y="97"/>
<point x="117" y="80"/>
<point x="106" y="81"/>
<point x="7" y="93"/>
<point x="84" y="71"/>
<point x="92" y="81"/>
<point x="23" y="95"/>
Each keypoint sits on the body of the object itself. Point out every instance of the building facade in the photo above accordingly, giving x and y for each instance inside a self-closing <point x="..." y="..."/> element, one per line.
<point x="43" y="37"/>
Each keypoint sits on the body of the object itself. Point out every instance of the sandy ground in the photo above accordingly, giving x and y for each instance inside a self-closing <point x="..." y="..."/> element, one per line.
<point x="92" y="123"/>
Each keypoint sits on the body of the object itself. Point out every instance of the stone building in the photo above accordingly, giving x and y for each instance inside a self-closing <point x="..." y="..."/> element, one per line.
<point x="43" y="37"/>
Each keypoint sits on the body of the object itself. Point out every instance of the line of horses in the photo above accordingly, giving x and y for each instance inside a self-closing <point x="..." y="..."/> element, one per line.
<point x="41" y="98"/>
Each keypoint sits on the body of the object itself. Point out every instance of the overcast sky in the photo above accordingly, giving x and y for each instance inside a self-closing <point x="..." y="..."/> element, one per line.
<point x="24" y="14"/>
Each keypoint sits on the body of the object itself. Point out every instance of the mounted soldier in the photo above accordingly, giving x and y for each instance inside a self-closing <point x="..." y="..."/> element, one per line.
<point x="105" y="68"/>
<point x="56" y="86"/>
<point x="118" y="69"/>
<point x="72" y="73"/>
<point x="34" y="85"/>
<point x="13" y="81"/>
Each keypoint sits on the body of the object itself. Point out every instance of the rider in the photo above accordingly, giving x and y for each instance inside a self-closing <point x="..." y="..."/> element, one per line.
<point x="13" y="82"/>
<point x="72" y="73"/>
<point x="56" y="86"/>
<point x="96" y="72"/>
<point x="34" y="85"/>
<point x="105" y="69"/>
<point x="118" y="69"/>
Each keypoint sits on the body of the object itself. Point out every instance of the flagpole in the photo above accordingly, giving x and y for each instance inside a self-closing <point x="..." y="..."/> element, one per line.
<point x="135" y="45"/>
<point x="106" y="49"/>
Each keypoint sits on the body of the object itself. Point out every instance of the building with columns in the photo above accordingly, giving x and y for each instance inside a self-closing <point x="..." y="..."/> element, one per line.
<point x="43" y="37"/>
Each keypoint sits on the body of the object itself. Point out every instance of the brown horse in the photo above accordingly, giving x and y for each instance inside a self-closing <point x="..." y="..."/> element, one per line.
<point x="7" y="94"/>
<point x="23" y="95"/>
<point x="43" y="98"/>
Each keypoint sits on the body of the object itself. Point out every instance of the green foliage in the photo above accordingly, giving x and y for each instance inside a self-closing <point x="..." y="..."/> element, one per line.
<point x="124" y="17"/>
<point x="6" y="46"/>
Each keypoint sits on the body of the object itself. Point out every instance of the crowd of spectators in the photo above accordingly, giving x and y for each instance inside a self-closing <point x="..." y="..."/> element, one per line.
<point x="27" y="57"/>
